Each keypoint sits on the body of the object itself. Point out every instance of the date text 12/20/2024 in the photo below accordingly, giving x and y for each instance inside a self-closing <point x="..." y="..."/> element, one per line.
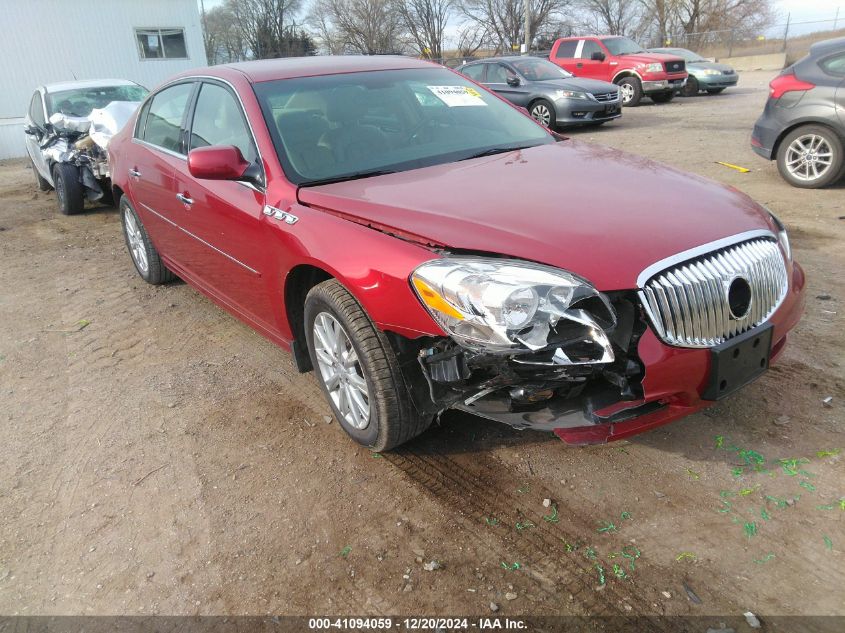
<point x="417" y="624"/>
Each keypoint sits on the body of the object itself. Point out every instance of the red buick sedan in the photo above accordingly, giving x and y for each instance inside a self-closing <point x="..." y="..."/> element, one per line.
<point x="422" y="246"/>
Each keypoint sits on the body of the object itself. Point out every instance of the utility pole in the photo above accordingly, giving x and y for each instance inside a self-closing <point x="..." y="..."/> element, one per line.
<point x="836" y="19"/>
<point x="527" y="45"/>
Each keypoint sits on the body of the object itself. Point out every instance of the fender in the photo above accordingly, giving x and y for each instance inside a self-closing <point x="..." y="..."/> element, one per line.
<point x="371" y="264"/>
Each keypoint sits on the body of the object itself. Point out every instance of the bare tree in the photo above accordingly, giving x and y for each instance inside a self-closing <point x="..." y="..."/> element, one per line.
<point x="470" y="38"/>
<point x="425" y="22"/>
<point x="505" y="19"/>
<point x="268" y="27"/>
<point x="614" y="17"/>
<point x="369" y="27"/>
<point x="222" y="36"/>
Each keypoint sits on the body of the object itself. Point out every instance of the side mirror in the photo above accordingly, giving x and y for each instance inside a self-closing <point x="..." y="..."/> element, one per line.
<point x="513" y="81"/>
<point x="597" y="56"/>
<point x="217" y="162"/>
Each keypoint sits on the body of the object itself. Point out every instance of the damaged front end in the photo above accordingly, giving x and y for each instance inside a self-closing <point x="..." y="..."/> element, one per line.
<point x="529" y="345"/>
<point x="82" y="141"/>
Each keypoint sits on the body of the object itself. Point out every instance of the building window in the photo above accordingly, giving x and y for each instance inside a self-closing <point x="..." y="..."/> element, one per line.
<point x="161" y="43"/>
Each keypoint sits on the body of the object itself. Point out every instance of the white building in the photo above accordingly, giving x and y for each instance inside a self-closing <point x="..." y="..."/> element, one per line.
<point x="46" y="41"/>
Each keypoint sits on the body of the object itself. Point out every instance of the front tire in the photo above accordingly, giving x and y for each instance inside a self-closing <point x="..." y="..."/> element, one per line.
<point x="69" y="191"/>
<point x="543" y="112"/>
<point x="144" y="255"/>
<point x="714" y="91"/>
<point x="662" y="97"/>
<point x="810" y="157"/>
<point x="632" y="91"/>
<point x="358" y="371"/>
<point x="691" y="88"/>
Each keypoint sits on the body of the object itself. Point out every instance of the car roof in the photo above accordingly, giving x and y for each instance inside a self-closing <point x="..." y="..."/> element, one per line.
<point x="828" y="46"/>
<point x="86" y="83"/>
<point x="293" y="67"/>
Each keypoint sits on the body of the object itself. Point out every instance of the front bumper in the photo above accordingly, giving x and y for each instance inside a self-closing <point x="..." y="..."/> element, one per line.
<point x="663" y="85"/>
<point x="716" y="81"/>
<point x="580" y="111"/>
<point x="674" y="381"/>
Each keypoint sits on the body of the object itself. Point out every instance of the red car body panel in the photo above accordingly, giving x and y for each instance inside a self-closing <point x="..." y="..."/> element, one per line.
<point x="599" y="213"/>
<point x="566" y="215"/>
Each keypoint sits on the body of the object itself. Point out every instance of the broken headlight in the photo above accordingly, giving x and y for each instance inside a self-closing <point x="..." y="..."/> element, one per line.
<point x="507" y="306"/>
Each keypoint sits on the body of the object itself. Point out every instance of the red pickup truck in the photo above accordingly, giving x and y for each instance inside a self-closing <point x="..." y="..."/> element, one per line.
<point x="624" y="62"/>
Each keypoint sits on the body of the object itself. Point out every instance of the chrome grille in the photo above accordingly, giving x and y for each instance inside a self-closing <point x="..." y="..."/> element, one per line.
<point x="727" y="72"/>
<point x="606" y="96"/>
<point x="688" y="302"/>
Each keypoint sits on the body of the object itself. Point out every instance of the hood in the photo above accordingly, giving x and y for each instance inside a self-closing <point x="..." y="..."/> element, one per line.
<point x="593" y="86"/>
<point x="693" y="66"/>
<point x="597" y="212"/>
<point x="648" y="58"/>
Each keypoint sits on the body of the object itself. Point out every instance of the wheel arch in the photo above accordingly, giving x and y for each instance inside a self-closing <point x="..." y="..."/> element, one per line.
<point x="801" y="123"/>
<point x="622" y="74"/>
<point x="297" y="284"/>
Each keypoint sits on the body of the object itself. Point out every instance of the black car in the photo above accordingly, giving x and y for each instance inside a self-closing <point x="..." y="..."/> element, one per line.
<point x="803" y="124"/>
<point x="551" y="95"/>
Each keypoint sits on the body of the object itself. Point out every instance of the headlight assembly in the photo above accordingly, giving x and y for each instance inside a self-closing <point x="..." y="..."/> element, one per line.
<point x="712" y="72"/>
<point x="514" y="307"/>
<point x="570" y="94"/>
<point x="656" y="67"/>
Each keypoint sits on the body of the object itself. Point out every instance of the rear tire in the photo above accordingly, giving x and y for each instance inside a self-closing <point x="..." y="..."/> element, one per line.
<point x="69" y="191"/>
<point x="662" y="97"/>
<point x="691" y="88"/>
<point x="40" y="181"/>
<point x="632" y="91"/>
<point x="543" y="112"/>
<point x="821" y="146"/>
<point x="144" y="255"/>
<point x="361" y="370"/>
<point x="714" y="91"/>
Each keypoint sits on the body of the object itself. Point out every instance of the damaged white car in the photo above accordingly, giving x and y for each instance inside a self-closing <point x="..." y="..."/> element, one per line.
<point x="68" y="126"/>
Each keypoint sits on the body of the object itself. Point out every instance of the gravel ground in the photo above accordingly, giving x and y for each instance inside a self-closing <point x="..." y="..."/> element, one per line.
<point x="160" y="457"/>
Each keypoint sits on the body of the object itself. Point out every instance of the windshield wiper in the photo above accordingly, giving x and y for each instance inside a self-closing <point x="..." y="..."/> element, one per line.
<point x="495" y="150"/>
<point x="354" y="176"/>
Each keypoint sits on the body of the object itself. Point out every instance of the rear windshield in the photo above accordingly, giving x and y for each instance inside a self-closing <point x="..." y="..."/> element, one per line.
<point x="539" y="69"/>
<point x="80" y="101"/>
<point x="338" y="126"/>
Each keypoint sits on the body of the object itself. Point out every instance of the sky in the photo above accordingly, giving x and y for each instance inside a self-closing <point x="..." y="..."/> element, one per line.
<point x="797" y="10"/>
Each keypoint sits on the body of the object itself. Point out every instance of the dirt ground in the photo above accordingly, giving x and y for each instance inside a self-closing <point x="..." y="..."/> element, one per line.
<point x="158" y="456"/>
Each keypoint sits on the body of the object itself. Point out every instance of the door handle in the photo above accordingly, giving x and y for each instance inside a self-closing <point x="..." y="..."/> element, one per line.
<point x="184" y="199"/>
<point x="579" y="65"/>
<point x="134" y="172"/>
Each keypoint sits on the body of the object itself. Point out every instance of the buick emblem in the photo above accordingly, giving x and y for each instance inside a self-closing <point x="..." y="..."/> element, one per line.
<point x="739" y="298"/>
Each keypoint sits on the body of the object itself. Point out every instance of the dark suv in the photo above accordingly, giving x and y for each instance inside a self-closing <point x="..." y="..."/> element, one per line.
<point x="803" y="124"/>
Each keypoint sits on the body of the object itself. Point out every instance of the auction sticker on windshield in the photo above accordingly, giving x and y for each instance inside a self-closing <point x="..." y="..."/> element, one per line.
<point x="456" y="96"/>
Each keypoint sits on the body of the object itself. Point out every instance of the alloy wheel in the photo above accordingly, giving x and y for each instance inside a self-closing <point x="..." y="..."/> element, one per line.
<point x="541" y="114"/>
<point x="340" y="371"/>
<point x="627" y="91"/>
<point x="809" y="157"/>
<point x="136" y="242"/>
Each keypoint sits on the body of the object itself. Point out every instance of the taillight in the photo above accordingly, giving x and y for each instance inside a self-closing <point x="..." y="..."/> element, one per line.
<point x="787" y="83"/>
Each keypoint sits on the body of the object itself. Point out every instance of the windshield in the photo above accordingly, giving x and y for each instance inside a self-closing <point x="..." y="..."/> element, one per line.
<point x="80" y="101"/>
<point x="622" y="46"/>
<point x="539" y="69"/>
<point x="352" y="125"/>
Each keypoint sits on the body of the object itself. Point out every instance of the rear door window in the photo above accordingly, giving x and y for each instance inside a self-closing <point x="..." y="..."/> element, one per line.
<point x="163" y="126"/>
<point x="566" y="50"/>
<point x="475" y="72"/>
<point x="499" y="74"/>
<point x="834" y="65"/>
